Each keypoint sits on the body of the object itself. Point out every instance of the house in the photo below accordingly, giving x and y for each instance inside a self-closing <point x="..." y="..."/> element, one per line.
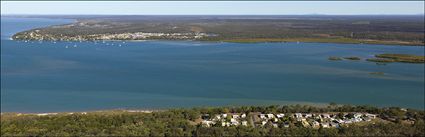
<point x="358" y="115"/>
<point x="370" y="115"/>
<point x="305" y="123"/>
<point x="224" y="115"/>
<point x="208" y="123"/>
<point x="340" y="121"/>
<point x="316" y="124"/>
<point x="263" y="123"/>
<point x="270" y="116"/>
<point x="357" y="119"/>
<point x="217" y="117"/>
<point x="286" y="125"/>
<point x="298" y="115"/>
<point x="235" y="116"/>
<point x="367" y="119"/>
<point x="262" y="116"/>
<point x="223" y="124"/>
<point x="325" y="115"/>
<point x="243" y="115"/>
<point x="244" y="123"/>
<point x="275" y="120"/>
<point x="308" y="115"/>
<point x="280" y="115"/>
<point x="205" y="116"/>
<point x="324" y="125"/>
<point x="335" y="125"/>
<point x="275" y="125"/>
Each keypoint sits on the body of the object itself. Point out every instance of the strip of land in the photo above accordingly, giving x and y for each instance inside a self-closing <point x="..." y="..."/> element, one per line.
<point x="295" y="120"/>
<point x="387" y="30"/>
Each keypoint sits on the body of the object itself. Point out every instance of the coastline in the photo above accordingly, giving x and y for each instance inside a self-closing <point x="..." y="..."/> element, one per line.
<point x="268" y="40"/>
<point x="324" y="40"/>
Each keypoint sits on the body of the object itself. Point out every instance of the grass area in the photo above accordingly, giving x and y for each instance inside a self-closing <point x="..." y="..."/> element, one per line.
<point x="380" y="60"/>
<point x="352" y="58"/>
<point x="403" y="58"/>
<point x="324" y="40"/>
<point x="334" y="58"/>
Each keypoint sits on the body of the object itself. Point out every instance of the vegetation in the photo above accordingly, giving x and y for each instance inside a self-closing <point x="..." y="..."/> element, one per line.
<point x="379" y="60"/>
<point x="352" y="58"/>
<point x="334" y="58"/>
<point x="179" y="122"/>
<point x="405" y="58"/>
<point x="399" y="30"/>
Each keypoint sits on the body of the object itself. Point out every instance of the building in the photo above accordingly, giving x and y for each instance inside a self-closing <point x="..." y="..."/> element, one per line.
<point x="243" y="115"/>
<point x="244" y="123"/>
<point x="280" y="115"/>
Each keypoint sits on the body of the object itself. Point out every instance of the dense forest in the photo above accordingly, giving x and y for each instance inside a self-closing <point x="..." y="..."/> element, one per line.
<point x="405" y="30"/>
<point x="179" y="122"/>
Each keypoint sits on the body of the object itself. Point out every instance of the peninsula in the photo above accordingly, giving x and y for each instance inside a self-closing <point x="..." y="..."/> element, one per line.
<point x="396" y="30"/>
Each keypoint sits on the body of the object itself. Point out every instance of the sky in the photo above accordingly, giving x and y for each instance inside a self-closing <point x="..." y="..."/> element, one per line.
<point x="212" y="7"/>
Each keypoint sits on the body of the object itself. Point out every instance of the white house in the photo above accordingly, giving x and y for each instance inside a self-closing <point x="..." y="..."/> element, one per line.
<point x="244" y="123"/>
<point x="262" y="116"/>
<point x="358" y="115"/>
<point x="370" y="115"/>
<point x="263" y="123"/>
<point x="243" y="115"/>
<point x="298" y="115"/>
<point x="325" y="125"/>
<point x="280" y="115"/>
<point x="326" y="115"/>
<point x="270" y="116"/>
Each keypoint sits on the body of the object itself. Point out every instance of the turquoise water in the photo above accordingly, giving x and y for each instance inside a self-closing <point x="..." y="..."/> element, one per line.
<point x="47" y="76"/>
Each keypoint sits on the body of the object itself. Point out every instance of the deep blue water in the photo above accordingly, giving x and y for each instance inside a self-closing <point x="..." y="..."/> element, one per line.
<point x="47" y="76"/>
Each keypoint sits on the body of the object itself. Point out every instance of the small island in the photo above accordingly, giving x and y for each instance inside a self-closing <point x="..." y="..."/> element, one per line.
<point x="404" y="58"/>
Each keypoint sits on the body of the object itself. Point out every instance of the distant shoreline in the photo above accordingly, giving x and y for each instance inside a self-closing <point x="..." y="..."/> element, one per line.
<point x="355" y="30"/>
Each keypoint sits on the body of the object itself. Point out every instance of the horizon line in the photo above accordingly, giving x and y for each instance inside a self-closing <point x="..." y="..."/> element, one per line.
<point x="201" y="14"/>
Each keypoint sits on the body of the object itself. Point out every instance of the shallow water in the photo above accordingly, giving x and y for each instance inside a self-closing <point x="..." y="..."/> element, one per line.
<point x="47" y="76"/>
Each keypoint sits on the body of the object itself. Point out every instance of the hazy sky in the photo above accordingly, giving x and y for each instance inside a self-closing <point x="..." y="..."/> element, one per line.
<point x="214" y="7"/>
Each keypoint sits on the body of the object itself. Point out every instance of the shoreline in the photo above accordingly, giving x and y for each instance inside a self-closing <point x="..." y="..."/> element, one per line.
<point x="322" y="105"/>
<point x="255" y="40"/>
